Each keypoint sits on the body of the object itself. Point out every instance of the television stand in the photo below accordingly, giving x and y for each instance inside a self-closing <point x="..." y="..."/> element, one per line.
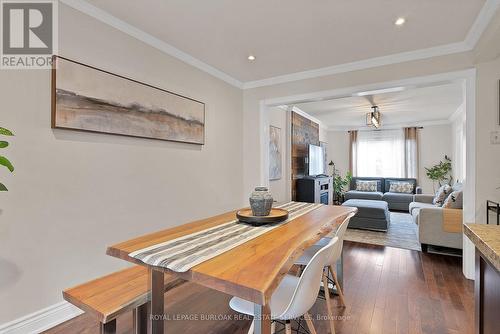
<point x="315" y="189"/>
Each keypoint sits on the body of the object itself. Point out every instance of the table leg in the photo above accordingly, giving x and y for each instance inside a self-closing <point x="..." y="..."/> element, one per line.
<point x="109" y="327"/>
<point x="141" y="319"/>
<point x="156" y="282"/>
<point x="262" y="319"/>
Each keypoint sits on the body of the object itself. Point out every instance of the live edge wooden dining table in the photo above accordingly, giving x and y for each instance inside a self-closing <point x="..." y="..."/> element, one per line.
<point x="251" y="271"/>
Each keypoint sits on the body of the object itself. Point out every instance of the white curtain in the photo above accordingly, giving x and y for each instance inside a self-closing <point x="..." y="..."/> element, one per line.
<point x="381" y="153"/>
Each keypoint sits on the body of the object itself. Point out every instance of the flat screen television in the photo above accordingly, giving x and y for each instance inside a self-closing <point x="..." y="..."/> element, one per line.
<point x="316" y="160"/>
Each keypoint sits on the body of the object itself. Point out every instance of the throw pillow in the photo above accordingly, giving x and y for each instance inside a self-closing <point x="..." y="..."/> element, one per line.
<point x="454" y="200"/>
<point x="362" y="185"/>
<point x="441" y="195"/>
<point x="401" y="187"/>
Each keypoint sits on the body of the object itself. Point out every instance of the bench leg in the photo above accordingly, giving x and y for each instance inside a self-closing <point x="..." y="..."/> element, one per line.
<point x="141" y="319"/>
<point x="157" y="282"/>
<point x="109" y="327"/>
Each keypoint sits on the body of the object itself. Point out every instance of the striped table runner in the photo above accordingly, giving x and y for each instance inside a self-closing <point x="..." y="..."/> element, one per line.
<point x="183" y="253"/>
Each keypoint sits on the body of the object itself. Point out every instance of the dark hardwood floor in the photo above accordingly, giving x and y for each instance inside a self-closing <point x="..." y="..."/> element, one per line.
<point x="388" y="290"/>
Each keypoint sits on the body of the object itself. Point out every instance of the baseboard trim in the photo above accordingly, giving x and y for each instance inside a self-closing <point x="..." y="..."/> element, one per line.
<point x="41" y="320"/>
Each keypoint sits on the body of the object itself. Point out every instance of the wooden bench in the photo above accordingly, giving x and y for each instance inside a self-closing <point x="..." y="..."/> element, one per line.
<point x="115" y="294"/>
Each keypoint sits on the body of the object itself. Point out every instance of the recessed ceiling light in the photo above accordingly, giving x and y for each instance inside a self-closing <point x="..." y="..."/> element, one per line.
<point x="251" y="57"/>
<point x="400" y="21"/>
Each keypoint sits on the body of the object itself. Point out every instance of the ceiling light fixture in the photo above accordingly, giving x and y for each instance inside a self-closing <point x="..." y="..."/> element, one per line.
<point x="400" y="21"/>
<point x="374" y="118"/>
<point x="251" y="57"/>
<point x="380" y="91"/>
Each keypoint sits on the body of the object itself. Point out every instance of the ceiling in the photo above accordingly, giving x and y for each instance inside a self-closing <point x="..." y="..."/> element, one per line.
<point x="289" y="36"/>
<point x="413" y="106"/>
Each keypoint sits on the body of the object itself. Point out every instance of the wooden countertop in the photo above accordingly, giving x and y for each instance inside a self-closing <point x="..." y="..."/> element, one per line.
<point x="486" y="238"/>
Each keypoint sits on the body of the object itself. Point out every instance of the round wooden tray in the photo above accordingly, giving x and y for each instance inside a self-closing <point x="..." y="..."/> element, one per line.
<point x="275" y="216"/>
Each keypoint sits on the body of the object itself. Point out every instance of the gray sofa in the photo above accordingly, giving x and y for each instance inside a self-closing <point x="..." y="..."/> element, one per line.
<point x="396" y="201"/>
<point x="437" y="226"/>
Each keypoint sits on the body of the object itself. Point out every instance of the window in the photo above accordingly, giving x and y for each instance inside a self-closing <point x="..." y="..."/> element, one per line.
<point x="381" y="153"/>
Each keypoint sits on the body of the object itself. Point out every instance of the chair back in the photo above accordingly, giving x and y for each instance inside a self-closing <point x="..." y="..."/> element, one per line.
<point x="306" y="292"/>
<point x="337" y="251"/>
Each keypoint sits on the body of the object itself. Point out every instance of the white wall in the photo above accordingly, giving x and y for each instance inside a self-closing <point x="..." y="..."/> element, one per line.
<point x="487" y="154"/>
<point x="278" y="188"/>
<point x="74" y="193"/>
<point x="338" y="150"/>
<point x="435" y="143"/>
<point x="458" y="144"/>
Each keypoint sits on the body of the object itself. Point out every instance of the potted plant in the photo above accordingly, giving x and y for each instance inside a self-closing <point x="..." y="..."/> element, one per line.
<point x="340" y="184"/>
<point x="440" y="173"/>
<point x="3" y="160"/>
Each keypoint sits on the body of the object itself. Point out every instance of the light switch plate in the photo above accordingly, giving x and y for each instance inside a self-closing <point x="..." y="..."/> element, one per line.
<point x="495" y="137"/>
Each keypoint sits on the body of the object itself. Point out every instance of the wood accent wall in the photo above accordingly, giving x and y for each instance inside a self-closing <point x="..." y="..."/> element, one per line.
<point x="304" y="133"/>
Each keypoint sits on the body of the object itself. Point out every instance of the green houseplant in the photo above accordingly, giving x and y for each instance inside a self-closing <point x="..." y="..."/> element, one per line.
<point x="440" y="173"/>
<point x="3" y="160"/>
<point x="340" y="184"/>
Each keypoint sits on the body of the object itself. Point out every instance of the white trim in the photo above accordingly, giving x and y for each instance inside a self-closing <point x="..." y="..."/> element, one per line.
<point x="105" y="17"/>
<point x="441" y="78"/>
<point x="41" y="320"/>
<point x="480" y="24"/>
<point x="457" y="113"/>
<point x="361" y="65"/>
<point x="468" y="262"/>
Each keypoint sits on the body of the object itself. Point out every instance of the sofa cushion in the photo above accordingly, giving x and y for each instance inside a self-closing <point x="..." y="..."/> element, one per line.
<point x="454" y="200"/>
<point x="401" y="187"/>
<point x="419" y="205"/>
<point x="398" y="197"/>
<point x="441" y="194"/>
<point x="380" y="182"/>
<point x="458" y="186"/>
<point x="366" y="185"/>
<point x="354" y="194"/>
<point x="388" y="182"/>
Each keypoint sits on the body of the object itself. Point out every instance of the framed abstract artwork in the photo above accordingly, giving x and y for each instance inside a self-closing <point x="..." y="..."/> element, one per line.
<point x="275" y="152"/>
<point x="89" y="99"/>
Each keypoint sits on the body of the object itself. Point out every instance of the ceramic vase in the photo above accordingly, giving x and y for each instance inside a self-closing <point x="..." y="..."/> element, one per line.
<point x="261" y="201"/>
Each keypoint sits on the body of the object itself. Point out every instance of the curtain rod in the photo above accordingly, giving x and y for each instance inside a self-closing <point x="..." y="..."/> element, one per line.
<point x="416" y="127"/>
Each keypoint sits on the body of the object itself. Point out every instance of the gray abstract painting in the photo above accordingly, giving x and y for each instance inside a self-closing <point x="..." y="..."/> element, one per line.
<point x="89" y="99"/>
<point x="274" y="153"/>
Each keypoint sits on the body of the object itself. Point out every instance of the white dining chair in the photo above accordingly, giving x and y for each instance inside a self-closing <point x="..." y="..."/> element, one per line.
<point x="310" y="252"/>
<point x="294" y="296"/>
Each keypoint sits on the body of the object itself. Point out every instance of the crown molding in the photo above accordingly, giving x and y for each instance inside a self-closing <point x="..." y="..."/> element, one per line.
<point x="480" y="24"/>
<point x="360" y="65"/>
<point x="41" y="320"/>
<point x="460" y="112"/>
<point x="485" y="16"/>
<point x="113" y="21"/>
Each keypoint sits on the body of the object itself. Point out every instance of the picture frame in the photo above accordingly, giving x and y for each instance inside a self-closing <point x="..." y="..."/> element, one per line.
<point x="86" y="98"/>
<point x="275" y="153"/>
